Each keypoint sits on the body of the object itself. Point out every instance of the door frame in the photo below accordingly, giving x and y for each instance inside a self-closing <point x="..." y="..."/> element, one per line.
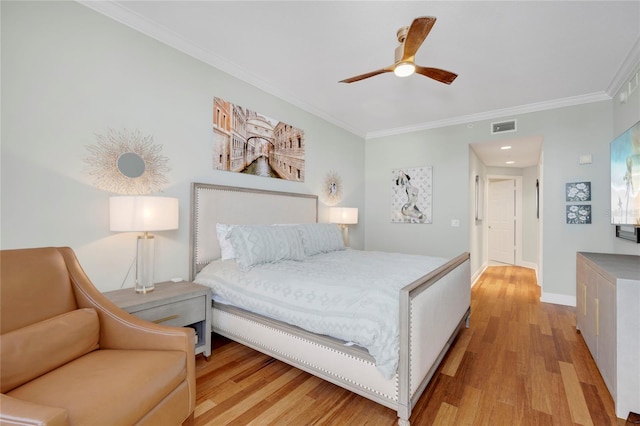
<point x="518" y="215"/>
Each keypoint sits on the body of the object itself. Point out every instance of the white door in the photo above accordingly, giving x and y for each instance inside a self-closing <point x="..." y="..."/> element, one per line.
<point x="502" y="221"/>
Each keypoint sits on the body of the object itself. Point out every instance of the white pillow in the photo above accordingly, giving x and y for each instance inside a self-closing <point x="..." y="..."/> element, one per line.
<point x="256" y="244"/>
<point x="321" y="238"/>
<point x="226" y="249"/>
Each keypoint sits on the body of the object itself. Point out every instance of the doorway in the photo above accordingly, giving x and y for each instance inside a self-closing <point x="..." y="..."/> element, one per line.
<point x="504" y="233"/>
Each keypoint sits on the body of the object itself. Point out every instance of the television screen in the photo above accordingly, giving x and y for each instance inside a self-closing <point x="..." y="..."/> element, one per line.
<point x="625" y="178"/>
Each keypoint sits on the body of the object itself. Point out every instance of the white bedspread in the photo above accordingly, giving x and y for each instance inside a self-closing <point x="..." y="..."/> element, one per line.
<point x="351" y="295"/>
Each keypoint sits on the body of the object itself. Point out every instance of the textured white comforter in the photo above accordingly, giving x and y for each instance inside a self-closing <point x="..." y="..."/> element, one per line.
<point x="351" y="295"/>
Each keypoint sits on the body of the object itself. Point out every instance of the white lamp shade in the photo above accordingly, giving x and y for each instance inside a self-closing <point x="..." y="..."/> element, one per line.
<point x="343" y="215"/>
<point x="143" y="213"/>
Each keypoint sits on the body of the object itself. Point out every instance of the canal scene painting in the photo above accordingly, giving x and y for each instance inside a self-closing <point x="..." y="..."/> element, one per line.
<point x="245" y="141"/>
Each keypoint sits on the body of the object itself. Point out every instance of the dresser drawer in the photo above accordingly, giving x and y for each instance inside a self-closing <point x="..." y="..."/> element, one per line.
<point x="177" y="314"/>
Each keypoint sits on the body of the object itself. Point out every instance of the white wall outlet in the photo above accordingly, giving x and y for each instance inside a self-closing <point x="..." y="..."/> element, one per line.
<point x="455" y="223"/>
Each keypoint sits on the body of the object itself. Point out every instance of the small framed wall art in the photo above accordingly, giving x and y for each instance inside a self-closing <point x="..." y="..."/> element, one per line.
<point x="578" y="192"/>
<point x="578" y="214"/>
<point x="575" y="193"/>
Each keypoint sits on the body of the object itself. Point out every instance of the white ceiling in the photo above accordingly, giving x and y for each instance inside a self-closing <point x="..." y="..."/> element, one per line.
<point x="511" y="56"/>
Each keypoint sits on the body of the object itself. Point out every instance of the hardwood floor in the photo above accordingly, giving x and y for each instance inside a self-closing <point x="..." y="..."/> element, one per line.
<point x="521" y="362"/>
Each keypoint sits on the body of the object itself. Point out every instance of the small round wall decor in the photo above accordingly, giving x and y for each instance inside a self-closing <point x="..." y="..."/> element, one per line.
<point x="332" y="189"/>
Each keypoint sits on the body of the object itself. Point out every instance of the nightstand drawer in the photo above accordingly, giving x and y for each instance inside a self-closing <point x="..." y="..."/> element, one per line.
<point x="177" y="314"/>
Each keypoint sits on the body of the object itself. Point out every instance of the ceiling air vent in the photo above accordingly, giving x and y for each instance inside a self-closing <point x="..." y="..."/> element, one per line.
<point x="504" y="126"/>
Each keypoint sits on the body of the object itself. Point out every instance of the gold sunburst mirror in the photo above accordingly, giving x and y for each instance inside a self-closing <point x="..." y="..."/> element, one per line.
<point x="127" y="163"/>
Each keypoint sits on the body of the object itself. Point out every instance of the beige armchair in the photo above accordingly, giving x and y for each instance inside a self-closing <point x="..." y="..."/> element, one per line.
<point x="70" y="356"/>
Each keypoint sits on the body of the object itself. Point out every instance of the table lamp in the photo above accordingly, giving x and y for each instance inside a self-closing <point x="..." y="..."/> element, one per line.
<point x="141" y="213"/>
<point x="344" y="216"/>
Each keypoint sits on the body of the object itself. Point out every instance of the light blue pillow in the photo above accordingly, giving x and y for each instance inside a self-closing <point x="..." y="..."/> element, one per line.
<point x="321" y="238"/>
<point x="256" y="244"/>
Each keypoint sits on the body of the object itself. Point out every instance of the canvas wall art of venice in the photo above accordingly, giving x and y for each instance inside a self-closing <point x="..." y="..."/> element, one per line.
<point x="411" y="195"/>
<point x="245" y="141"/>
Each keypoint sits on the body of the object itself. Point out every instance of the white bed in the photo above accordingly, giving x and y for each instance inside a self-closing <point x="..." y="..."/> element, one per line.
<point x="431" y="309"/>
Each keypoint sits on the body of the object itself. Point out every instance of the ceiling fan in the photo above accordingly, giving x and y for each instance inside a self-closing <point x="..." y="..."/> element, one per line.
<point x="410" y="38"/>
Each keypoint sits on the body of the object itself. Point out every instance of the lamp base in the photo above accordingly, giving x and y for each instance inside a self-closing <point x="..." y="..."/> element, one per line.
<point x="143" y="289"/>
<point x="144" y="264"/>
<point x="345" y="234"/>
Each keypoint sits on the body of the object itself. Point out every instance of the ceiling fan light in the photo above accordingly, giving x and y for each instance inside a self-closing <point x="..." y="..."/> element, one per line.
<point x="404" y="69"/>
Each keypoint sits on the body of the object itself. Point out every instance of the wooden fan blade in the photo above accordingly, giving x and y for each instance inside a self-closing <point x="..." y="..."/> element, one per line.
<point x="437" y="74"/>
<point x="418" y="31"/>
<point x="367" y="75"/>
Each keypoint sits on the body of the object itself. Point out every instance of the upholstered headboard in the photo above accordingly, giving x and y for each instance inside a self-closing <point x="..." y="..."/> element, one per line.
<point x="211" y="204"/>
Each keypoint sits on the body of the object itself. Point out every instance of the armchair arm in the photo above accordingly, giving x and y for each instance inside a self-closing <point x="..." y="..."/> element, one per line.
<point x="18" y="412"/>
<point x="119" y="329"/>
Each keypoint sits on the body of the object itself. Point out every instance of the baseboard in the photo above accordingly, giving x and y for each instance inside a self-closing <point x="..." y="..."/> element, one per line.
<point x="533" y="266"/>
<point x="529" y="265"/>
<point x="558" y="299"/>
<point x="478" y="274"/>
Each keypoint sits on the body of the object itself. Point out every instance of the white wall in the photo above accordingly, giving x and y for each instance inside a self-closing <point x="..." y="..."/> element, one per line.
<point x="69" y="73"/>
<point x="627" y="113"/>
<point x="530" y="222"/>
<point x="478" y="228"/>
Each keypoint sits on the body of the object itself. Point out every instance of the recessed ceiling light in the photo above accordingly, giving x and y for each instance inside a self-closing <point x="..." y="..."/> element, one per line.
<point x="505" y="147"/>
<point x="510" y="162"/>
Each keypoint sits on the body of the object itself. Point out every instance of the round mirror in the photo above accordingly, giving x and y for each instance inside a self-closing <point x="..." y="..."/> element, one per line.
<point x="127" y="163"/>
<point x="131" y="165"/>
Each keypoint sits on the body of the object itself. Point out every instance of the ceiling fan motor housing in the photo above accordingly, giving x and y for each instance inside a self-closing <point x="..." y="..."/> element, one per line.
<point x="402" y="34"/>
<point x="399" y="53"/>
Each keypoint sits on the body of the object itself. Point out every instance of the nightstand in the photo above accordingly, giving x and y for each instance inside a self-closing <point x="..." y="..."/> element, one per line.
<point x="181" y="304"/>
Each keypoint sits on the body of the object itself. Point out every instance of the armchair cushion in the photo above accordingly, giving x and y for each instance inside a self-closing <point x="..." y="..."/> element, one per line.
<point x="19" y="412"/>
<point x="36" y="349"/>
<point x="96" y="393"/>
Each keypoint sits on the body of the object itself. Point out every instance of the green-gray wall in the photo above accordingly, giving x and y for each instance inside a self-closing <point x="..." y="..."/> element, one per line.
<point x="69" y="73"/>
<point x="567" y="133"/>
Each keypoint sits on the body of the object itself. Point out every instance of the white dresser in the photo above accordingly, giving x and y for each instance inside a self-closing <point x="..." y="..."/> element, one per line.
<point x="608" y="316"/>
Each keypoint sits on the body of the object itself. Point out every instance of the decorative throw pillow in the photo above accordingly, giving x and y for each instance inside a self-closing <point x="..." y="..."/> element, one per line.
<point x="226" y="249"/>
<point x="321" y="238"/>
<point x="256" y="244"/>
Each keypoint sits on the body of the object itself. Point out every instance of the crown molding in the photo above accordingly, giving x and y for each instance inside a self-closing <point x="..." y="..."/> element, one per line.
<point x="628" y="66"/>
<point x="490" y="115"/>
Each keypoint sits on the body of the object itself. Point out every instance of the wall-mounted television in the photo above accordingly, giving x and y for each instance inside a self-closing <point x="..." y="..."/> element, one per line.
<point x="625" y="178"/>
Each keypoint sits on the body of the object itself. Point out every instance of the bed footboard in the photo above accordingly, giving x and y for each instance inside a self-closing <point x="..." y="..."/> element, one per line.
<point x="432" y="310"/>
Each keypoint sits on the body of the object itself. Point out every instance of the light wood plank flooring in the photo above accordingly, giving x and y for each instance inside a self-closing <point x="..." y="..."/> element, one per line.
<point x="521" y="362"/>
